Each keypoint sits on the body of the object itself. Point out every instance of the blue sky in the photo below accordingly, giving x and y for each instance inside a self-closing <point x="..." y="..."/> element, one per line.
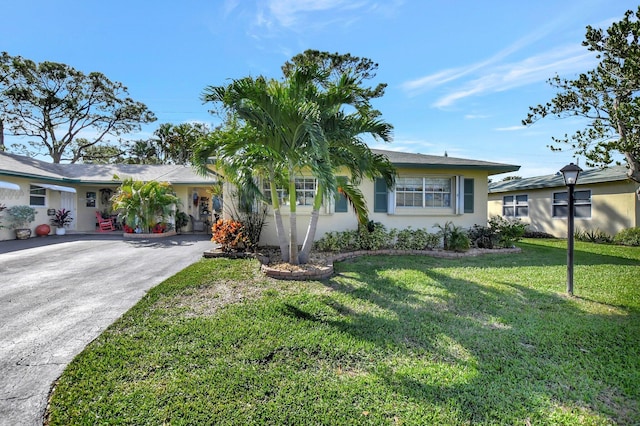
<point x="461" y="74"/>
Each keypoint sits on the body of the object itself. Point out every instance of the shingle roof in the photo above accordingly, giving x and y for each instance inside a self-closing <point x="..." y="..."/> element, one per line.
<point x="406" y="159"/>
<point x="586" y="177"/>
<point x="18" y="165"/>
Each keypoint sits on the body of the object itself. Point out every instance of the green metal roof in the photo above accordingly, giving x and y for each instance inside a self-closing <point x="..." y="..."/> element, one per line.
<point x="586" y="177"/>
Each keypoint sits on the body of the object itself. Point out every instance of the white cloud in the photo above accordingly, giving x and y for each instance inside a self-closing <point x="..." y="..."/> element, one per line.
<point x="306" y="15"/>
<point x="510" y="128"/>
<point x="494" y="74"/>
<point x="562" y="61"/>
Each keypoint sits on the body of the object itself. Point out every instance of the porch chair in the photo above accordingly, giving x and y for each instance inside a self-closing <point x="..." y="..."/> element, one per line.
<point x="104" y="224"/>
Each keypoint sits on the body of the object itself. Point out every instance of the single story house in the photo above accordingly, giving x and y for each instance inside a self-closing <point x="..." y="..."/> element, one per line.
<point x="605" y="199"/>
<point x="86" y="188"/>
<point x="429" y="190"/>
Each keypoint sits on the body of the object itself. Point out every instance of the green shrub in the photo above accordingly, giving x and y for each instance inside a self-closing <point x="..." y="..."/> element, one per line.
<point x="592" y="236"/>
<point x="337" y="241"/>
<point x="536" y="234"/>
<point x="508" y="230"/>
<point x="418" y="239"/>
<point x="483" y="237"/>
<point x="628" y="237"/>
<point x="372" y="236"/>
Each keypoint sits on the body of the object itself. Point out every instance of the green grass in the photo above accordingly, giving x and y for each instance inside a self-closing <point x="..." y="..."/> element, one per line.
<point x="407" y="340"/>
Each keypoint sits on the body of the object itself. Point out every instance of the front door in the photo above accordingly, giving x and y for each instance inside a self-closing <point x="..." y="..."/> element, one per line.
<point x="68" y="202"/>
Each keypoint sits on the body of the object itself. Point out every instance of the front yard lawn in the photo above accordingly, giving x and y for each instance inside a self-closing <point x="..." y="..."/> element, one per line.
<point x="409" y="340"/>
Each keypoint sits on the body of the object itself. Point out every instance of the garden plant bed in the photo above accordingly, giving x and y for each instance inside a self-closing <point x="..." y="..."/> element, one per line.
<point x="320" y="265"/>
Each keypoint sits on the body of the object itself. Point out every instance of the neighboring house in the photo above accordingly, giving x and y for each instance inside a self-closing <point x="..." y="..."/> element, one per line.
<point x="429" y="190"/>
<point x="605" y="200"/>
<point x="86" y="188"/>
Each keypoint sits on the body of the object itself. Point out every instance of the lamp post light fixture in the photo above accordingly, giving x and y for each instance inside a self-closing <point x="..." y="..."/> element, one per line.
<point x="570" y="174"/>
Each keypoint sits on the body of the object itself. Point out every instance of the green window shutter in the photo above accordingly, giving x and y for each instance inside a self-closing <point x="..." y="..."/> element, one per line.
<point x="380" y="200"/>
<point x="341" y="203"/>
<point x="468" y="195"/>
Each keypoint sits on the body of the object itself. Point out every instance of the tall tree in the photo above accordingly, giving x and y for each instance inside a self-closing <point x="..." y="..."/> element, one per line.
<point x="302" y="128"/>
<point x="606" y="96"/>
<point x="55" y="103"/>
<point x="175" y="142"/>
<point x="288" y="124"/>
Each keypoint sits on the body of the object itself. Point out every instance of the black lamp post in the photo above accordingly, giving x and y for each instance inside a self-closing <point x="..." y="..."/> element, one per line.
<point x="570" y="174"/>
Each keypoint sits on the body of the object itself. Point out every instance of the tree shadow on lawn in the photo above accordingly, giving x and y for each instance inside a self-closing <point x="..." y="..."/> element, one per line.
<point x="546" y="255"/>
<point x="501" y="353"/>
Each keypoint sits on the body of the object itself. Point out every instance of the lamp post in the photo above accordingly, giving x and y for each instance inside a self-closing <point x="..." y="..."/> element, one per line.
<point x="570" y="174"/>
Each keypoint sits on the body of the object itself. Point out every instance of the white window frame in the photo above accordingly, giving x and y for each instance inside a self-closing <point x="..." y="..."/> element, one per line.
<point x="415" y="189"/>
<point x="33" y="188"/>
<point x="517" y="204"/>
<point x="306" y="188"/>
<point x="579" y="202"/>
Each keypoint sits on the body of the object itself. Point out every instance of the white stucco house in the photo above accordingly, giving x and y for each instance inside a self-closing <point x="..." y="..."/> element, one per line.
<point x="86" y="188"/>
<point x="429" y="190"/>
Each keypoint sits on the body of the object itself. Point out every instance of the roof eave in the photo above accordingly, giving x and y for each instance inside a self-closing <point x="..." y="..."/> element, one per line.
<point x="492" y="169"/>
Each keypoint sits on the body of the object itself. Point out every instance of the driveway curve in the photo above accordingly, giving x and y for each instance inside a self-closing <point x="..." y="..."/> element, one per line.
<point x="58" y="293"/>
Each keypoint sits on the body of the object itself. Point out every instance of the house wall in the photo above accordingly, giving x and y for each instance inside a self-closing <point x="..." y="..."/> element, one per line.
<point x="85" y="205"/>
<point x="15" y="198"/>
<point x="402" y="218"/>
<point x="614" y="207"/>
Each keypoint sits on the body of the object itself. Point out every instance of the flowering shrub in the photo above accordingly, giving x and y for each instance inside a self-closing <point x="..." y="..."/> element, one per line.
<point x="229" y="234"/>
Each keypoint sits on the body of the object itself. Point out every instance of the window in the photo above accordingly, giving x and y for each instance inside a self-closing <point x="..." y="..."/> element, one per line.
<point x="37" y="195"/>
<point x="305" y="192"/>
<point x="515" y="206"/>
<point x="423" y="192"/>
<point x="582" y="204"/>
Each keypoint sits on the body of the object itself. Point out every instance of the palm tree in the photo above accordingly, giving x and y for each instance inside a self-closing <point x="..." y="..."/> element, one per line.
<point x="287" y="125"/>
<point x="145" y="203"/>
<point x="299" y="125"/>
<point x="348" y="151"/>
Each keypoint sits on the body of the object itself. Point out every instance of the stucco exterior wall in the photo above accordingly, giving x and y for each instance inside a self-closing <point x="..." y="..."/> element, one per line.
<point x="84" y="206"/>
<point x="614" y="207"/>
<point x="402" y="218"/>
<point x="16" y="198"/>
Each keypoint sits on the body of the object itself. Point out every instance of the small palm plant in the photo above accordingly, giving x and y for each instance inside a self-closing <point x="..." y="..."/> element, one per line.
<point x="143" y="204"/>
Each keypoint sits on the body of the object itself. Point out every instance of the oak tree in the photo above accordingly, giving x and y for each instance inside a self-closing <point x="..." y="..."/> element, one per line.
<point x="606" y="96"/>
<point x="54" y="105"/>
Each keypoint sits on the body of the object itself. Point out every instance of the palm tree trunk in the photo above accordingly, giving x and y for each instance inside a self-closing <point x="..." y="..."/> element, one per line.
<point x="277" y="216"/>
<point x="313" y="226"/>
<point x="293" y="226"/>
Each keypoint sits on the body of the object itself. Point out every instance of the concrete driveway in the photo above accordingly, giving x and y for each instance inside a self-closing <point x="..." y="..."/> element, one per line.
<point x="58" y="293"/>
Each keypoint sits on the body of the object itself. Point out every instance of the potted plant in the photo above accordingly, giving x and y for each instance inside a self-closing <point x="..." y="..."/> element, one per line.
<point x="182" y="220"/>
<point x="20" y="217"/>
<point x="61" y="220"/>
